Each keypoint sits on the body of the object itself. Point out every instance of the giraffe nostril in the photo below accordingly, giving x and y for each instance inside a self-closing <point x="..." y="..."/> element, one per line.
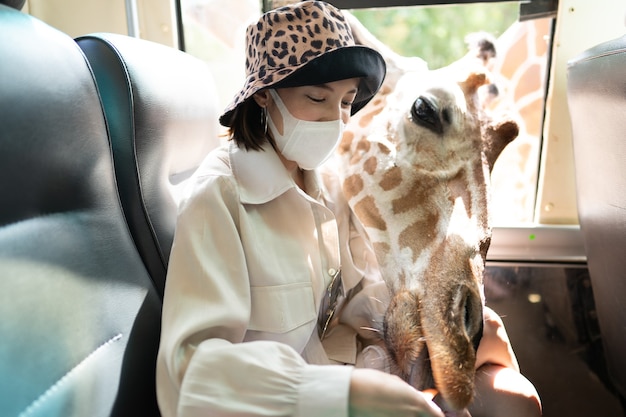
<point x="468" y="315"/>
<point x="472" y="315"/>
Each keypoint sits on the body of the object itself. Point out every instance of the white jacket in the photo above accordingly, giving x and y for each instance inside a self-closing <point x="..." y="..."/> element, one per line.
<point x="252" y="258"/>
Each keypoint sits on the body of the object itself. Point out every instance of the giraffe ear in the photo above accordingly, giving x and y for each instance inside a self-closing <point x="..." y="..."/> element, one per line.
<point x="496" y="136"/>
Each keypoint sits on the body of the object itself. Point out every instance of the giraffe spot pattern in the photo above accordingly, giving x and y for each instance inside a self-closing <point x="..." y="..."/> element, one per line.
<point x="383" y="149"/>
<point x="352" y="186"/>
<point x="416" y="196"/>
<point x="370" y="165"/>
<point x="367" y="211"/>
<point x="419" y="234"/>
<point x="391" y="179"/>
<point x="346" y="140"/>
<point x="376" y="106"/>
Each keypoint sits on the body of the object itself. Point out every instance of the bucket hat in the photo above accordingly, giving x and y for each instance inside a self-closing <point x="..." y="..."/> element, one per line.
<point x="307" y="43"/>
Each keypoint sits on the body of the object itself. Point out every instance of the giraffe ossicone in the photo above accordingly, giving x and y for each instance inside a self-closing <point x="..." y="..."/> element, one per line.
<point x="415" y="166"/>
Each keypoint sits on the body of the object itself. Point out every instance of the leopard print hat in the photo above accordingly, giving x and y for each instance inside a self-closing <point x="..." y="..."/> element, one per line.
<point x="307" y="43"/>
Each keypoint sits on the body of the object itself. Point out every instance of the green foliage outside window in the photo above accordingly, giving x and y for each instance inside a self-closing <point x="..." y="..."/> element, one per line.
<point x="436" y="34"/>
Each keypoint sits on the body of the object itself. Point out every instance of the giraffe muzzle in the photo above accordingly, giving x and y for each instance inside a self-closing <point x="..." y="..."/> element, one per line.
<point x="434" y="344"/>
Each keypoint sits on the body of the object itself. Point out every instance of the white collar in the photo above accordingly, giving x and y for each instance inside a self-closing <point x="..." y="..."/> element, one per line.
<point x="262" y="176"/>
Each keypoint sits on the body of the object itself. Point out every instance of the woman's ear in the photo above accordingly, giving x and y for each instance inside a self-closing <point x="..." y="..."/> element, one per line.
<point x="262" y="98"/>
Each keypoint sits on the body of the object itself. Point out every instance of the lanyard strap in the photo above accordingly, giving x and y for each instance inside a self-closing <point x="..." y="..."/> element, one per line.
<point x="329" y="304"/>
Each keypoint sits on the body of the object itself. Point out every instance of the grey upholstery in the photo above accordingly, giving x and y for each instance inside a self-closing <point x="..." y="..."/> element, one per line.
<point x="161" y="109"/>
<point x="597" y="102"/>
<point x="80" y="315"/>
<point x="16" y="4"/>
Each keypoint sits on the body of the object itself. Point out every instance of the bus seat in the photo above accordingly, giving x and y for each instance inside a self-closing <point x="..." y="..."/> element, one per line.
<point x="161" y="109"/>
<point x="80" y="316"/>
<point x="16" y="4"/>
<point x="596" y="92"/>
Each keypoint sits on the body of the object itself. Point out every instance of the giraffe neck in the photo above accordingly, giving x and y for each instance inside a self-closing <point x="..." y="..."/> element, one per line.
<point x="415" y="167"/>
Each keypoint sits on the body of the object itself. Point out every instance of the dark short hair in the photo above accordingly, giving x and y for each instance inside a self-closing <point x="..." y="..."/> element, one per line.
<point x="248" y="126"/>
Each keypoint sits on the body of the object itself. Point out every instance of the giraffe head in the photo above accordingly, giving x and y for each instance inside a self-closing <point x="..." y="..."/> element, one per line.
<point x="415" y="169"/>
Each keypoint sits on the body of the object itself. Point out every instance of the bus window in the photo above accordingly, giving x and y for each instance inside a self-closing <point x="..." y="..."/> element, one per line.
<point x="214" y="31"/>
<point x="154" y="20"/>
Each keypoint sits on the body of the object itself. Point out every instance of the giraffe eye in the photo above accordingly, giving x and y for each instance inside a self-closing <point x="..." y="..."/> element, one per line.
<point x="425" y="114"/>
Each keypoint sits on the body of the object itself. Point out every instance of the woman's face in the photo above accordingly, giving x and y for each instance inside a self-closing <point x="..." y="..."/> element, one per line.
<point x="317" y="103"/>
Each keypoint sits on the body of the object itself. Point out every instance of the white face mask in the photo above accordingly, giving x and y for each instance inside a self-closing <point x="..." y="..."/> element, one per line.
<point x="309" y="144"/>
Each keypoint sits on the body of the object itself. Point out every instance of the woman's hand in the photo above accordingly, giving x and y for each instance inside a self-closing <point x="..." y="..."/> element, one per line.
<point x="495" y="347"/>
<point x="378" y="394"/>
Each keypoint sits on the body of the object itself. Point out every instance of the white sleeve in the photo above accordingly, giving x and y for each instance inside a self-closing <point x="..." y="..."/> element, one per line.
<point x="260" y="378"/>
<point x="203" y="367"/>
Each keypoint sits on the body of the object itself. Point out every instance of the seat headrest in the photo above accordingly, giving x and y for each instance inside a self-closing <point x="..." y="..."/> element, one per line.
<point x="16" y="4"/>
<point x="161" y="109"/>
<point x="170" y="94"/>
<point x="39" y="158"/>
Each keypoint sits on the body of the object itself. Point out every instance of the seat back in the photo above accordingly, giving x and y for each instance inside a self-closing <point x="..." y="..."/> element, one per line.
<point x="80" y="315"/>
<point x="596" y="89"/>
<point x="161" y="108"/>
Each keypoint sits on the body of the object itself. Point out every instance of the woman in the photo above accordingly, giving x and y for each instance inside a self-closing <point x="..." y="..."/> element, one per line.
<point x="271" y="289"/>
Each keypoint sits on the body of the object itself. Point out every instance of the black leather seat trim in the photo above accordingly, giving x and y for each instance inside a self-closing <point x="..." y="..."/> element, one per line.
<point x="160" y="106"/>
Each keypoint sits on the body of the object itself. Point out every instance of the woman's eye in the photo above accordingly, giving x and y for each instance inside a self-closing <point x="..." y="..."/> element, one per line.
<point x="316" y="100"/>
<point x="344" y="103"/>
